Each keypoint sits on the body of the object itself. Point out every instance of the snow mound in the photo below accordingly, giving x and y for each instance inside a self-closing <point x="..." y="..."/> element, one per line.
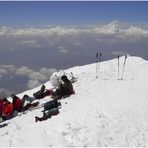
<point x="103" y="112"/>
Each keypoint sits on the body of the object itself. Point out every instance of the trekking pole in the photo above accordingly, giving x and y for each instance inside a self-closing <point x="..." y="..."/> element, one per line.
<point x="98" y="66"/>
<point x="123" y="67"/>
<point x="118" y="67"/>
<point x="99" y="60"/>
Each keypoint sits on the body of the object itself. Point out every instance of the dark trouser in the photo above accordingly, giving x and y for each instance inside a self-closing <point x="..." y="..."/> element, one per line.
<point x="6" y="117"/>
<point x="27" y="106"/>
<point x="59" y="92"/>
<point x="47" y="115"/>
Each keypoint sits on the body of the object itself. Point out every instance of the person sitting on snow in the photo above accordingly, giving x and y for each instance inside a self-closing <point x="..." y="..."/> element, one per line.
<point x="65" y="88"/>
<point x="28" y="98"/>
<point x="1" y="105"/>
<point x="7" y="109"/>
<point x="42" y="93"/>
<point x="18" y="104"/>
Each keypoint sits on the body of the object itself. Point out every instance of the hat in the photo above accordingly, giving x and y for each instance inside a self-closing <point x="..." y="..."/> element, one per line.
<point x="64" y="77"/>
<point x="5" y="99"/>
<point x="43" y="87"/>
<point x="25" y="96"/>
<point x="12" y="95"/>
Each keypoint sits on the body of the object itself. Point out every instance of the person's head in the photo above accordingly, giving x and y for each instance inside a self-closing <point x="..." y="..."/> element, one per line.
<point x="25" y="96"/>
<point x="5" y="100"/>
<point x="12" y="95"/>
<point x="43" y="87"/>
<point x="64" y="78"/>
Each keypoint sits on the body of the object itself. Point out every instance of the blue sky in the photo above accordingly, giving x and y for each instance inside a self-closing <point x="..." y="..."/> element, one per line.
<point x="36" y="13"/>
<point x="38" y="38"/>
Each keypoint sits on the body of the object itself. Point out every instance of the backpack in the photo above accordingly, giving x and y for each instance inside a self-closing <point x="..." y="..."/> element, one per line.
<point x="53" y="112"/>
<point x="51" y="104"/>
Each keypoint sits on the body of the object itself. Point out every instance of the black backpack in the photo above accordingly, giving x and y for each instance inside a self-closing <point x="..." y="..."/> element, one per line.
<point x="51" y="104"/>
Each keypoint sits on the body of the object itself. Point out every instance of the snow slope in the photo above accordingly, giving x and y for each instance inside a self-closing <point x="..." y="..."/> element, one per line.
<point x="103" y="112"/>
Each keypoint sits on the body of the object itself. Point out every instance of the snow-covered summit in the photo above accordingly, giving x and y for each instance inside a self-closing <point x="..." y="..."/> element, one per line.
<point x="103" y="112"/>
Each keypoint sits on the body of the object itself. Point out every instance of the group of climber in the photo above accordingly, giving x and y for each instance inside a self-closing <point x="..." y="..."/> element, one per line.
<point x="10" y="109"/>
<point x="51" y="108"/>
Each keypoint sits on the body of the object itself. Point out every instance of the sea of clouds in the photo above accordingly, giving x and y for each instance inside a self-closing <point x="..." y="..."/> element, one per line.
<point x="32" y="54"/>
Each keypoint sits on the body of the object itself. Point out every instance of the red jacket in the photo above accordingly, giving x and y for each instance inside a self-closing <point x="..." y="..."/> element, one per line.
<point x="7" y="109"/>
<point x="17" y="104"/>
<point x="1" y="105"/>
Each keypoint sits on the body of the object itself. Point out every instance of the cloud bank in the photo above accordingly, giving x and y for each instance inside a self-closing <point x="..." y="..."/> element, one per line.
<point x="114" y="29"/>
<point x="62" y="46"/>
<point x="35" y="78"/>
<point x="115" y="36"/>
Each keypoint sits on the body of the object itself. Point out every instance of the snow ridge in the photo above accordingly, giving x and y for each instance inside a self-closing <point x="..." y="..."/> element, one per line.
<point x="103" y="112"/>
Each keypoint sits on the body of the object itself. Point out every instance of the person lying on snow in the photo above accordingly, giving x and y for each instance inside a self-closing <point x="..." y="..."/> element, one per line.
<point x="9" y="110"/>
<point x="28" y="98"/>
<point x="18" y="104"/>
<point x="42" y="93"/>
<point x="1" y="105"/>
<point x="51" y="108"/>
<point x="64" y="89"/>
<point x="6" y="109"/>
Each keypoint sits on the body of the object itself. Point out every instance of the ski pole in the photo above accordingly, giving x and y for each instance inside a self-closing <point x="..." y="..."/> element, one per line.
<point x="118" y="67"/>
<point x="96" y="64"/>
<point x="99" y="60"/>
<point x="123" y="67"/>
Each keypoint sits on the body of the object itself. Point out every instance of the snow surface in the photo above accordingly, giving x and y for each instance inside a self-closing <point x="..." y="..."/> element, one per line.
<point x="103" y="112"/>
